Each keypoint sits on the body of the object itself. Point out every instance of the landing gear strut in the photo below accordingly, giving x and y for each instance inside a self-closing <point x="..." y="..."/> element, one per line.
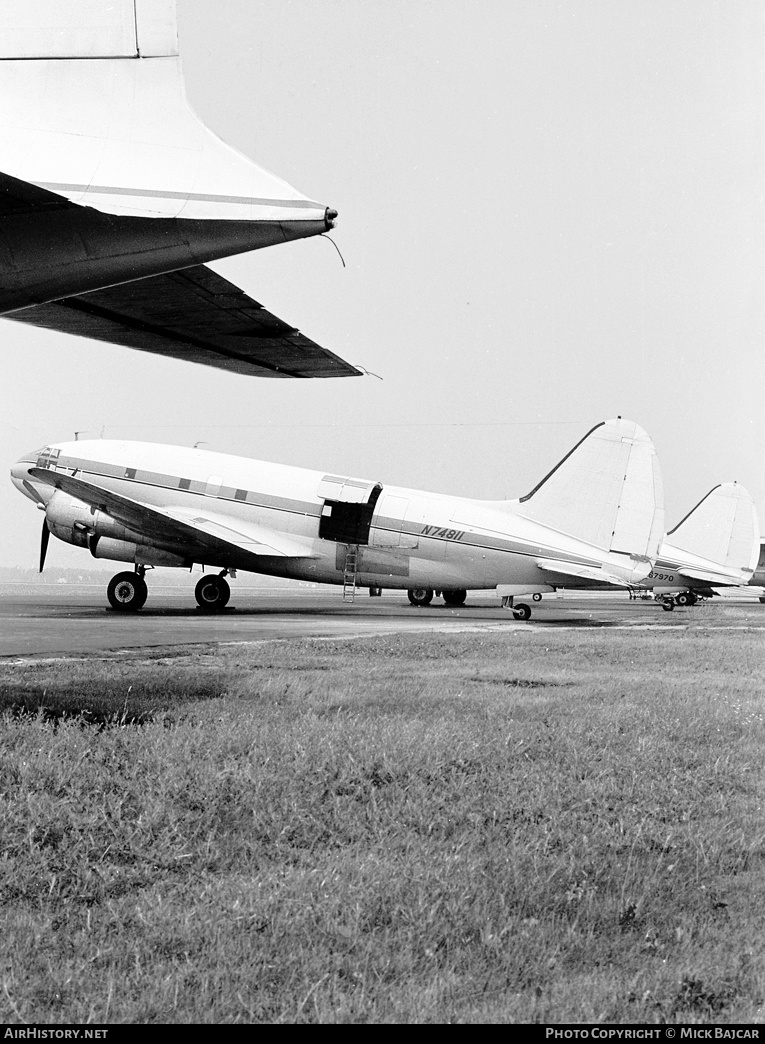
<point x="212" y="592"/>
<point x="520" y="611"/>
<point x="127" y="592"/>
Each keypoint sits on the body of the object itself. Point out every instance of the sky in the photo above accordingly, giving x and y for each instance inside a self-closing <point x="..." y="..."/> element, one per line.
<point x="550" y="213"/>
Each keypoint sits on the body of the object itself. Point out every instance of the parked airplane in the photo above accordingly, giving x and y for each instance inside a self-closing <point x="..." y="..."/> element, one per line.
<point x="758" y="579"/>
<point x="113" y="194"/>
<point x="598" y="514"/>
<point x="715" y="545"/>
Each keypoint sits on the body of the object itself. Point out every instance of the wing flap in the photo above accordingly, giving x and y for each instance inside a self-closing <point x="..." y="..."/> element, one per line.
<point x="194" y="315"/>
<point x="202" y="531"/>
<point x="258" y="540"/>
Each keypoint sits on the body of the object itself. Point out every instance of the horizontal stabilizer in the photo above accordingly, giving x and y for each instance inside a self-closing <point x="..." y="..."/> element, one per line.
<point x="721" y="578"/>
<point x="607" y="492"/>
<point x="195" y="315"/>
<point x="196" y="531"/>
<point x="582" y="572"/>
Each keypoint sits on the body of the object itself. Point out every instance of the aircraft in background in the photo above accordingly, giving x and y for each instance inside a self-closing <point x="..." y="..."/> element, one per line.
<point x="715" y="545"/>
<point x="113" y="195"/>
<point x="598" y="515"/>
<point x="758" y="579"/>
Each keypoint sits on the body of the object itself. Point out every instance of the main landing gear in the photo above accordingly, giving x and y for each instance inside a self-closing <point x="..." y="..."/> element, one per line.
<point x="127" y="592"/>
<point x="668" y="603"/>
<point x="422" y="596"/>
<point x="212" y="592"/>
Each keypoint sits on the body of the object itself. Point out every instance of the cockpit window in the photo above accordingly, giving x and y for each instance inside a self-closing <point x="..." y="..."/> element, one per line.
<point x="48" y="457"/>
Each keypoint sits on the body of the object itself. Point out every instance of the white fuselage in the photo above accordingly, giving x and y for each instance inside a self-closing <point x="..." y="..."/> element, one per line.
<point x="405" y="538"/>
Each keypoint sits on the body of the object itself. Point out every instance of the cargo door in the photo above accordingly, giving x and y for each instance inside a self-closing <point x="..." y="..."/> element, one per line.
<point x="347" y="509"/>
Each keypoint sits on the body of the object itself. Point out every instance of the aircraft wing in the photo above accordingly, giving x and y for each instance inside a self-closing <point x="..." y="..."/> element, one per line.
<point x="21" y="197"/>
<point x="196" y="528"/>
<point x="192" y="314"/>
<point x="581" y="572"/>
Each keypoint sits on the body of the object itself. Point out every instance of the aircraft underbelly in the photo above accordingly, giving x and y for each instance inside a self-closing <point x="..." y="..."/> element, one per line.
<point x="56" y="255"/>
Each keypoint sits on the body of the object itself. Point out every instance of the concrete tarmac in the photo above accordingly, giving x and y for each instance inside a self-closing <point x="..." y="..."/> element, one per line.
<point x="70" y="620"/>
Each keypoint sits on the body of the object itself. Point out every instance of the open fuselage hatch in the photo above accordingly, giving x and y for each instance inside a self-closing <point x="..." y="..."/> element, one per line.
<point x="346" y="516"/>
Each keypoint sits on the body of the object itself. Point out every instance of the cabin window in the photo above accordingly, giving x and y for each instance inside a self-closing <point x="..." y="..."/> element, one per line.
<point x="129" y="473"/>
<point x="184" y="483"/>
<point x="241" y="494"/>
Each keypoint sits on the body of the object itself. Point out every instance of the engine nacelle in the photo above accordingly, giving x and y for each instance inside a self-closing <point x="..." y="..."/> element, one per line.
<point x="75" y="522"/>
<point x="130" y="551"/>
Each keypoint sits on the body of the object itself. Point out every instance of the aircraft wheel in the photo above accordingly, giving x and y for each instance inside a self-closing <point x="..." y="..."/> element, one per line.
<point x="127" y="592"/>
<point x="212" y="592"/>
<point x="684" y="598"/>
<point x="455" y="597"/>
<point x="420" y="595"/>
<point x="537" y="597"/>
<point x="667" y="605"/>
<point x="522" y="611"/>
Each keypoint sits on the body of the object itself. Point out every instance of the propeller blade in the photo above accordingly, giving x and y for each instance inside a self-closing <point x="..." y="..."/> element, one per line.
<point x="44" y="538"/>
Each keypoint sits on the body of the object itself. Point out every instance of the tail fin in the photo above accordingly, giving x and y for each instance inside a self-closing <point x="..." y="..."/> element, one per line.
<point x="607" y="491"/>
<point x="722" y="528"/>
<point x="92" y="107"/>
<point x="88" y="29"/>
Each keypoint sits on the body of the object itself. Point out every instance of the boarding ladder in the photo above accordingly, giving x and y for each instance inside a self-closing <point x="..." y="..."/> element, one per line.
<point x="350" y="572"/>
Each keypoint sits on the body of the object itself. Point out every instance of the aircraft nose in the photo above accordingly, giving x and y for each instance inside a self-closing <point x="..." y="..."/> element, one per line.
<point x="20" y="472"/>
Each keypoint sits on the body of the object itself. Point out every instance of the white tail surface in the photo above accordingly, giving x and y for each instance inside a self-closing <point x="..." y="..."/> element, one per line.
<point x="92" y="107"/>
<point x="87" y="28"/>
<point x="723" y="528"/>
<point x="607" y="492"/>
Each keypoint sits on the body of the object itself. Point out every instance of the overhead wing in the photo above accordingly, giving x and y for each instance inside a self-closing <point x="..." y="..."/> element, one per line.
<point x="193" y="314"/>
<point x="197" y="529"/>
<point x="20" y="197"/>
<point x="581" y="572"/>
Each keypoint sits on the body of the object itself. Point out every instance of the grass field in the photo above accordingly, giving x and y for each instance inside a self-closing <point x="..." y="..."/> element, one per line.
<point x="523" y="827"/>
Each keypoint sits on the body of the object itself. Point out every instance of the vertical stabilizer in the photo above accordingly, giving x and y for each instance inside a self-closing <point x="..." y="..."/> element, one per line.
<point x="722" y="529"/>
<point x="92" y="107"/>
<point x="88" y="29"/>
<point x="607" y="492"/>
